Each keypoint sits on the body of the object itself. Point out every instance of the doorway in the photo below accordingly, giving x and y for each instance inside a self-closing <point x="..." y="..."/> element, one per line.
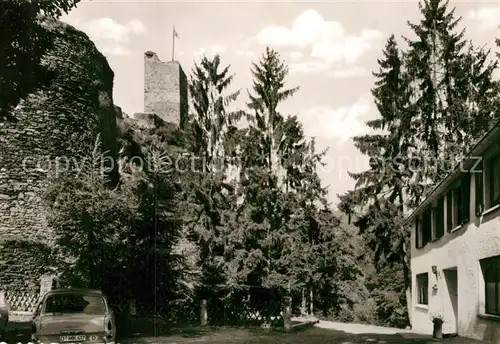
<point x="450" y="299"/>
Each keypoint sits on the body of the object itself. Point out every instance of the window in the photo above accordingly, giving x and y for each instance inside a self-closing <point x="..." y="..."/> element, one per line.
<point x="454" y="207"/>
<point x="492" y="181"/>
<point x="75" y="303"/>
<point x="423" y="289"/>
<point x="449" y="211"/>
<point x="479" y="186"/>
<point x="465" y="199"/>
<point x="426" y="226"/>
<point x="458" y="204"/>
<point x="423" y="229"/>
<point x="491" y="274"/>
<point x="439" y="219"/>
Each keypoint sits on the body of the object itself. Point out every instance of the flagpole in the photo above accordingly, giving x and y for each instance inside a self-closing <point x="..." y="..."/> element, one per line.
<point x="173" y="42"/>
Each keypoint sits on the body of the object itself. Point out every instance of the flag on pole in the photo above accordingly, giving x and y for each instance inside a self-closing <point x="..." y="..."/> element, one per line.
<point x="174" y="36"/>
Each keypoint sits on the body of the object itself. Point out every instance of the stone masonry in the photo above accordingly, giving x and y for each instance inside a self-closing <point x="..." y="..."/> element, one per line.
<point x="165" y="89"/>
<point x="55" y="125"/>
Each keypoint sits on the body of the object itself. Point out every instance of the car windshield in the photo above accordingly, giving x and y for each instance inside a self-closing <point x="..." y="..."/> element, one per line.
<point x="75" y="303"/>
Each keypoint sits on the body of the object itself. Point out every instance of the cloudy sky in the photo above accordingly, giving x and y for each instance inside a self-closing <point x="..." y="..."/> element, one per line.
<point x="331" y="48"/>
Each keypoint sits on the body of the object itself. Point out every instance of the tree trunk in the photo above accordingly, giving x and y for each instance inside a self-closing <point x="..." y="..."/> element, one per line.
<point x="87" y="224"/>
<point x="408" y="304"/>
<point x="92" y="265"/>
<point x="407" y="281"/>
<point x="311" y="298"/>
<point x="303" y="306"/>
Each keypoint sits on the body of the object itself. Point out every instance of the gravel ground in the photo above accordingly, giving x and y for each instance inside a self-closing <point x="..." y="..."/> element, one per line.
<point x="322" y="333"/>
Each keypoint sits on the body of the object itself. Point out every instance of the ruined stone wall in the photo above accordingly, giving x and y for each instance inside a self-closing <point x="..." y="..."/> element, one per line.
<point x="54" y="128"/>
<point x="165" y="89"/>
<point x="22" y="262"/>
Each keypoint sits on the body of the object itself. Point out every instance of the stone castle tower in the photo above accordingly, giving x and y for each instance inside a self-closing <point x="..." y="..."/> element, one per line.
<point x="165" y="89"/>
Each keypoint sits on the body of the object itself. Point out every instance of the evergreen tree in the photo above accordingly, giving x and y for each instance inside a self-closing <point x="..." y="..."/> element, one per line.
<point x="281" y="230"/>
<point x="450" y="81"/>
<point x="215" y="133"/>
<point x="212" y="122"/>
<point x="379" y="196"/>
<point x="162" y="258"/>
<point x="255" y="258"/>
<point x="335" y="269"/>
<point x="430" y="108"/>
<point x="382" y="186"/>
<point x="268" y="85"/>
<point x="90" y="221"/>
<point x="309" y="200"/>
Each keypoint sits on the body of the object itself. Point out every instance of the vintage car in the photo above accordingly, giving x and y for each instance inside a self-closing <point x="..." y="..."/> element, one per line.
<point x="73" y="316"/>
<point x="4" y="317"/>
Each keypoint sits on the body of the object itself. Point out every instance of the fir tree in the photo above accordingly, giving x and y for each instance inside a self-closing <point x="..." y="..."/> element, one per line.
<point x="450" y="80"/>
<point x="212" y="121"/>
<point x="379" y="193"/>
<point x="430" y="107"/>
<point x="269" y="91"/>
<point x="266" y="149"/>
<point x="214" y="129"/>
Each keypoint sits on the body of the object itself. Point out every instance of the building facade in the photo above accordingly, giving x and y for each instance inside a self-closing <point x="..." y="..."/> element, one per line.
<point x="455" y="256"/>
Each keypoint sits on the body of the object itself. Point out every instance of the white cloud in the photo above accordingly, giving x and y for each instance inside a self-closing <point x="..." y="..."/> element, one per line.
<point x="137" y="27"/>
<point x="318" y="66"/>
<point x="218" y="48"/>
<point x="309" y="67"/>
<point x="350" y="72"/>
<point x="488" y="17"/>
<point x="296" y="55"/>
<point x="109" y="29"/>
<point x="342" y="123"/>
<point x="213" y="50"/>
<point x="114" y="49"/>
<point x="246" y="53"/>
<point x="108" y="34"/>
<point x="327" y="40"/>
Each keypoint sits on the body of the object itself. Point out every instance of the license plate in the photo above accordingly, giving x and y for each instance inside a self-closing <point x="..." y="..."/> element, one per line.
<point x="75" y="338"/>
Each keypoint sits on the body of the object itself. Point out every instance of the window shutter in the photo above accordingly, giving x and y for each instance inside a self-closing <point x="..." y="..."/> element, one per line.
<point x="465" y="198"/>
<point x="478" y="176"/>
<point x="417" y="236"/>
<point x="458" y="204"/>
<point x="449" y="211"/>
<point x="496" y="181"/>
<point x="440" y="218"/>
<point x="426" y="226"/>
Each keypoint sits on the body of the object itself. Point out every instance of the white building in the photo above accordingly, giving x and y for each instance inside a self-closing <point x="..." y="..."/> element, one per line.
<point x="455" y="256"/>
